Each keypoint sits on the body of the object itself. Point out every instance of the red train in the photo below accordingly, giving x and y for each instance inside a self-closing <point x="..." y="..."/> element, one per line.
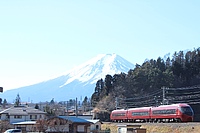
<point x="164" y="113"/>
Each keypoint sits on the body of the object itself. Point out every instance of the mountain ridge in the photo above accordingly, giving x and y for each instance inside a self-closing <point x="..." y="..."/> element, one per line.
<point x="77" y="82"/>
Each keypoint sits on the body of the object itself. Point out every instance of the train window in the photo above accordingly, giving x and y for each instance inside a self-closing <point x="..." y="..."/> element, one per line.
<point x="140" y="113"/>
<point x="167" y="111"/>
<point x="187" y="110"/>
<point x="119" y="114"/>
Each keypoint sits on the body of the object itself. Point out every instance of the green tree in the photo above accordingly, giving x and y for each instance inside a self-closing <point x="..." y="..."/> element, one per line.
<point x="99" y="86"/>
<point x="52" y="101"/>
<point x="18" y="100"/>
<point x="182" y="70"/>
<point x="108" y="83"/>
<point x="4" y="103"/>
<point x="85" y="104"/>
<point x="36" y="106"/>
<point x="160" y="64"/>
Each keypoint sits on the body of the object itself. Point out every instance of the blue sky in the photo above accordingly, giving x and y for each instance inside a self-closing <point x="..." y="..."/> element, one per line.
<point x="40" y="39"/>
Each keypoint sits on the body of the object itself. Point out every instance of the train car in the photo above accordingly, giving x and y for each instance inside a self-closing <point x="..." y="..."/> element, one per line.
<point x="172" y="113"/>
<point x="139" y="114"/>
<point x="119" y="115"/>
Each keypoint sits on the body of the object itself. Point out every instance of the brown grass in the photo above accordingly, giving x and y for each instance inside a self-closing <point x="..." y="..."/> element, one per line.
<point x="160" y="127"/>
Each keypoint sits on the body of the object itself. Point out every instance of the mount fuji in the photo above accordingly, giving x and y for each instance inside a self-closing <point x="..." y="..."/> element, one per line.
<point x="77" y="82"/>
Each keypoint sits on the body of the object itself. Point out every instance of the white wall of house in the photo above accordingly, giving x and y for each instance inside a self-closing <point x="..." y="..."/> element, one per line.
<point x="34" y="117"/>
<point x="13" y="118"/>
<point x="19" y="118"/>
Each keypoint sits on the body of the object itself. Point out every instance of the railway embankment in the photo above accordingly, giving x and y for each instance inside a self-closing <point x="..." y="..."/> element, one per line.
<point x="190" y="127"/>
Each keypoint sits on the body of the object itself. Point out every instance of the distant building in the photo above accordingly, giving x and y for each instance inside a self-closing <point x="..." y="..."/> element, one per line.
<point x="17" y="114"/>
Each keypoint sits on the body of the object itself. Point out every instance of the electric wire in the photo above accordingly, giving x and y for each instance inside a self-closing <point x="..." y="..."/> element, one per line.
<point x="189" y="95"/>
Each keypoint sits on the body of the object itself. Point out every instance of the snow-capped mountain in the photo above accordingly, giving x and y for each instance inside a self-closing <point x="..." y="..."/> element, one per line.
<point x="78" y="82"/>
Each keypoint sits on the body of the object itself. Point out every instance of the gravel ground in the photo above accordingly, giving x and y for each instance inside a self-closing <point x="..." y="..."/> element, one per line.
<point x="191" y="127"/>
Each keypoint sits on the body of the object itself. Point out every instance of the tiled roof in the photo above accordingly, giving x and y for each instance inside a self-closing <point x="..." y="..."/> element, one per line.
<point x="21" y="110"/>
<point x="74" y="119"/>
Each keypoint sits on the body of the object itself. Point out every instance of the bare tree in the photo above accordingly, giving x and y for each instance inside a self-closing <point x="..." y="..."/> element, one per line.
<point x="41" y="125"/>
<point x="4" y="125"/>
<point x="57" y="124"/>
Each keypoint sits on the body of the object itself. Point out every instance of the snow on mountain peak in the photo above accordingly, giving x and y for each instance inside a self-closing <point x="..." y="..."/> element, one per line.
<point x="97" y="67"/>
<point x="77" y="82"/>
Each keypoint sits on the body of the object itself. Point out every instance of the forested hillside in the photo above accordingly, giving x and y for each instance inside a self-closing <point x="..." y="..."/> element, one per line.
<point x="181" y="70"/>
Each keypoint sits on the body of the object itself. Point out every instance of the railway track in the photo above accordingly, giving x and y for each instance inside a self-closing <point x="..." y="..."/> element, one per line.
<point x="158" y="124"/>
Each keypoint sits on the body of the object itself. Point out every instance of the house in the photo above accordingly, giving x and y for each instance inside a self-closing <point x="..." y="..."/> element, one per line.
<point x="68" y="125"/>
<point x="17" y="114"/>
<point x="95" y="126"/>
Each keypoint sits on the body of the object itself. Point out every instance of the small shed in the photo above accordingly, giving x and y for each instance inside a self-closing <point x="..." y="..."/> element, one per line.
<point x="96" y="125"/>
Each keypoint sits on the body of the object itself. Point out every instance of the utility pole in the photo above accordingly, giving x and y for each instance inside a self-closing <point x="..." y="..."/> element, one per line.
<point x="116" y="102"/>
<point x="76" y="108"/>
<point x="163" y="101"/>
<point x="90" y="107"/>
<point x="1" y="90"/>
<point x="67" y="108"/>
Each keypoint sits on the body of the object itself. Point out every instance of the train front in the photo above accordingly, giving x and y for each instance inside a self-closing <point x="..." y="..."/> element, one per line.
<point x="119" y="115"/>
<point x="186" y="113"/>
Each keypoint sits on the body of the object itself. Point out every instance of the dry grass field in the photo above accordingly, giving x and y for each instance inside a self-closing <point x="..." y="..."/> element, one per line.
<point x="160" y="127"/>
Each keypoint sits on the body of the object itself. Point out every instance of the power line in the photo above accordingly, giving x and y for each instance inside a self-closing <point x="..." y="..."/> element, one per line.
<point x="185" y="88"/>
<point x="155" y="93"/>
<point x="190" y="95"/>
<point x="187" y="94"/>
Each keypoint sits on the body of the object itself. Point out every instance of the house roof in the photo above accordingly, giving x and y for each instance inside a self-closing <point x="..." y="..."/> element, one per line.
<point x="25" y="123"/>
<point x="94" y="121"/>
<point x="74" y="119"/>
<point x="21" y="110"/>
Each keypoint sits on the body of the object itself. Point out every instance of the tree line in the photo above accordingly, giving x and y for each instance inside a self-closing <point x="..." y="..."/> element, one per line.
<point x="180" y="70"/>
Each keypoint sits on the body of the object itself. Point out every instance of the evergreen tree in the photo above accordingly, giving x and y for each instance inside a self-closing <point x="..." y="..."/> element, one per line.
<point x="4" y="103"/>
<point x="52" y="101"/>
<point x="182" y="70"/>
<point x="36" y="106"/>
<point x="85" y="104"/>
<point x="18" y="100"/>
<point x="108" y="83"/>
